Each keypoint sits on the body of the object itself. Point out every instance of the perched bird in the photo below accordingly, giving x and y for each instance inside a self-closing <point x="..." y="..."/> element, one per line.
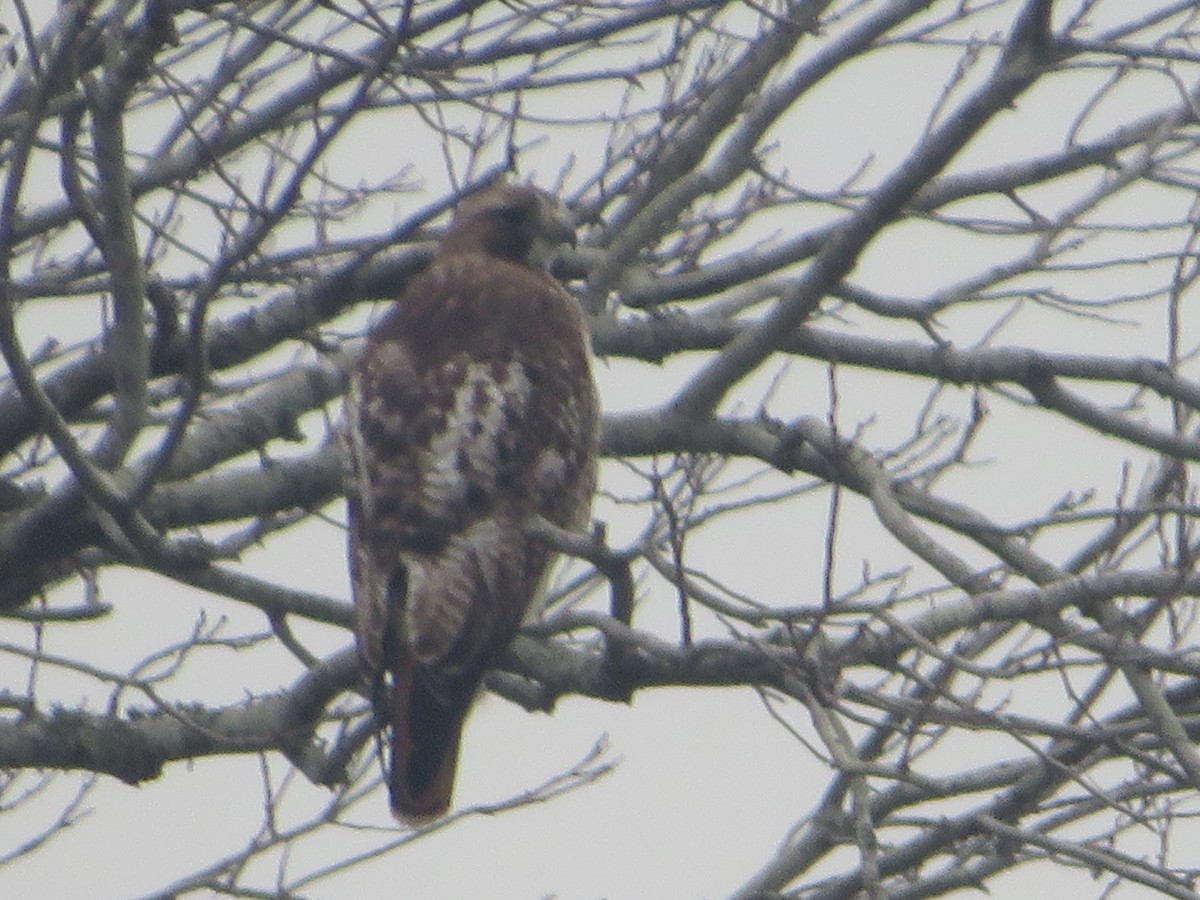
<point x="472" y="411"/>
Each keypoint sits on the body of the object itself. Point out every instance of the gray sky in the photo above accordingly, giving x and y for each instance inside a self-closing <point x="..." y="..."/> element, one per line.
<point x="707" y="784"/>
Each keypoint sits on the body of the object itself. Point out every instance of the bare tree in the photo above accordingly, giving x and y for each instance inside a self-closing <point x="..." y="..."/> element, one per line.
<point x="915" y="464"/>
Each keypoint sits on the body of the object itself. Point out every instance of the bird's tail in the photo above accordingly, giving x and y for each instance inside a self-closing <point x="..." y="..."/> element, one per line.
<point x="425" y="738"/>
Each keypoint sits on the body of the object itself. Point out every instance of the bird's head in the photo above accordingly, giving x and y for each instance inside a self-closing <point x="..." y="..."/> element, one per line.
<point x="517" y="222"/>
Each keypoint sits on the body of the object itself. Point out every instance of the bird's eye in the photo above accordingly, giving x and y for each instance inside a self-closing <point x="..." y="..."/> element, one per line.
<point x="510" y="215"/>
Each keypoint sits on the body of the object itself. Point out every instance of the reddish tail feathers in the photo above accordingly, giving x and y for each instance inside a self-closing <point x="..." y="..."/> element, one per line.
<point x="425" y="738"/>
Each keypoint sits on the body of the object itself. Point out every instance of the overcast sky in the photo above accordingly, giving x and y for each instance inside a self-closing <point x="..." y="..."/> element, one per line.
<point x="705" y="784"/>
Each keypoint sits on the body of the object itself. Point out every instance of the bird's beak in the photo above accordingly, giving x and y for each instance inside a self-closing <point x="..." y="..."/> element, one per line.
<point x="556" y="227"/>
<point x="561" y="225"/>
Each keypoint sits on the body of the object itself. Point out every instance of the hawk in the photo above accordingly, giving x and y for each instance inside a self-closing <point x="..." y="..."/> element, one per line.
<point x="471" y="412"/>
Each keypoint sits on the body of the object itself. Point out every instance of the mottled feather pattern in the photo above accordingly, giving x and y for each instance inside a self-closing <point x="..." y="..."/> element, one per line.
<point x="472" y="410"/>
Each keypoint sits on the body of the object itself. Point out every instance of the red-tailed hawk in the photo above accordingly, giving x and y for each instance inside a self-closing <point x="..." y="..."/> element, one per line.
<point x="472" y="411"/>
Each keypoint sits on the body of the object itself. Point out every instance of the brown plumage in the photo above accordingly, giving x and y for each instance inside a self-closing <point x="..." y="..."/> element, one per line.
<point x="472" y="410"/>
